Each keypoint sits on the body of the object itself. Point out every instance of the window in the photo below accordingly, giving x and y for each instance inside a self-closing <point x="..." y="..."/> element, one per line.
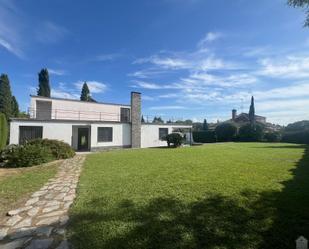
<point x="163" y="132"/>
<point x="27" y="133"/>
<point x="105" y="134"/>
<point x="124" y="114"/>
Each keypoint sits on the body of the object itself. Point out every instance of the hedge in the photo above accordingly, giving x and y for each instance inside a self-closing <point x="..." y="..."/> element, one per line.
<point x="298" y="137"/>
<point x="174" y="138"/>
<point x="226" y="132"/>
<point x="3" y="131"/>
<point x="204" y="137"/>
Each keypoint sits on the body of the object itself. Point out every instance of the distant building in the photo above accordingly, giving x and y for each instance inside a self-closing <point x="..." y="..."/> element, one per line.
<point x="244" y="118"/>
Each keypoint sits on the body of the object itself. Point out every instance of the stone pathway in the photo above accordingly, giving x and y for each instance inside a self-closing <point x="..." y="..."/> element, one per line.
<point x="40" y="222"/>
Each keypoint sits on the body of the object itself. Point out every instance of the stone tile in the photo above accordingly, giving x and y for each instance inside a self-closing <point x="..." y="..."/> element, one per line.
<point x="52" y="203"/>
<point x="14" y="244"/>
<point x="55" y="213"/>
<point x="3" y="232"/>
<point x="49" y="196"/>
<point x="12" y="221"/>
<point x="46" y="231"/>
<point x="64" y="220"/>
<point x="40" y="244"/>
<point x="17" y="211"/>
<point x="60" y="231"/>
<point x="63" y="245"/>
<point x="33" y="211"/>
<point x="69" y="197"/>
<point x="24" y="223"/>
<point x="50" y="208"/>
<point x="22" y="232"/>
<point x="32" y="201"/>
<point x="60" y="196"/>
<point x="48" y="221"/>
<point x="39" y="193"/>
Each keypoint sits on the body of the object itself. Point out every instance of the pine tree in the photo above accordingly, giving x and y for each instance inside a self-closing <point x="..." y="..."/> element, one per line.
<point x="205" y="125"/>
<point x="15" y="107"/>
<point x="44" y="87"/>
<point x="252" y="112"/>
<point x="143" y="120"/>
<point x="5" y="96"/>
<point x="3" y="131"/>
<point x="85" y="94"/>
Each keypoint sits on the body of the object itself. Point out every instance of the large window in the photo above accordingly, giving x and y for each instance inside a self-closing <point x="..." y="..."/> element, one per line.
<point x="27" y="133"/>
<point x="124" y="114"/>
<point x="105" y="134"/>
<point x="163" y="132"/>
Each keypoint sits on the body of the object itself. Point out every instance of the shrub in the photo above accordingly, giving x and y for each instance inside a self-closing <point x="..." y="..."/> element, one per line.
<point x="204" y="137"/>
<point x="59" y="149"/>
<point x="272" y="136"/>
<point x="3" y="131"/>
<point x="26" y="155"/>
<point x="226" y="132"/>
<point x="174" y="138"/>
<point x="298" y="137"/>
<point x="251" y="133"/>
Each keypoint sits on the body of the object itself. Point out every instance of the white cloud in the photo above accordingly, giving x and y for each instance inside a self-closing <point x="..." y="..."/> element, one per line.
<point x="108" y="57"/>
<point x="58" y="93"/>
<point x="153" y="86"/>
<point x="49" y="32"/>
<point x="57" y="72"/>
<point x="166" y="62"/>
<point x="94" y="86"/>
<point x="168" y="107"/>
<point x="209" y="37"/>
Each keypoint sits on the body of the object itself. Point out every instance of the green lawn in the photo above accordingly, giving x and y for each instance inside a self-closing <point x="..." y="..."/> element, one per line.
<point x="229" y="195"/>
<point x="16" y="185"/>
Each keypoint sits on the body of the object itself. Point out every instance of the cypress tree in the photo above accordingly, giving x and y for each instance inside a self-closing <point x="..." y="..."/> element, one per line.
<point x="44" y="87"/>
<point x="143" y="120"/>
<point x="5" y="96"/>
<point x="85" y="94"/>
<point x="15" y="107"/>
<point x="252" y="112"/>
<point x="205" y="125"/>
<point x="3" y="131"/>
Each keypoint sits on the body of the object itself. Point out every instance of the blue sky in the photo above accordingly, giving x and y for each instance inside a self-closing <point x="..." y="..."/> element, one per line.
<point x="189" y="58"/>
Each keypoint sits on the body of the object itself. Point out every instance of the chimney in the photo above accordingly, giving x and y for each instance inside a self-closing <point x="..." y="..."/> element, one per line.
<point x="234" y="114"/>
<point x="136" y="119"/>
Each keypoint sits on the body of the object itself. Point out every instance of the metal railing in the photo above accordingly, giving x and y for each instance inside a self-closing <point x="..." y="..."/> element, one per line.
<point x="64" y="114"/>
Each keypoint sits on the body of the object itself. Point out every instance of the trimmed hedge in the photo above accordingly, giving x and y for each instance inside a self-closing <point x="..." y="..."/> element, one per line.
<point x="3" y="131"/>
<point x="272" y="137"/>
<point x="249" y="133"/>
<point x="297" y="137"/>
<point x="35" y="152"/>
<point x="174" y="138"/>
<point x="226" y="132"/>
<point x="59" y="149"/>
<point x="204" y="137"/>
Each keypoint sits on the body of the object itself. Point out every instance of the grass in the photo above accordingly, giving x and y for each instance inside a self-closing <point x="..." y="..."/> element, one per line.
<point x="229" y="195"/>
<point x="16" y="185"/>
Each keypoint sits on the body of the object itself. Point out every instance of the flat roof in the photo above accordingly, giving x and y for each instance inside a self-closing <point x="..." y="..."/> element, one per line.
<point x="76" y="100"/>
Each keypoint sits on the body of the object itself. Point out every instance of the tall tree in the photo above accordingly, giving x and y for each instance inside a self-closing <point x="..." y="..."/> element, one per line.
<point x="5" y="96"/>
<point x="252" y="112"/>
<point x="3" y="130"/>
<point x="301" y="4"/>
<point x="205" y="125"/>
<point x="15" y="107"/>
<point x="143" y="120"/>
<point x="44" y="86"/>
<point x="85" y="94"/>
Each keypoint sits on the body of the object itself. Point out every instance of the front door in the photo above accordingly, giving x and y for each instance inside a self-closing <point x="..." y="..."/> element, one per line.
<point x="83" y="139"/>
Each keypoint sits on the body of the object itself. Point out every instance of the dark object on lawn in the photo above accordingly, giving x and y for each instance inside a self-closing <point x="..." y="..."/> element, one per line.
<point x="174" y="138"/>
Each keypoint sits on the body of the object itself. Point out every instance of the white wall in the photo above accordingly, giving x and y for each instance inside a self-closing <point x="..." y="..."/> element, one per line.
<point x="79" y="110"/>
<point x="150" y="134"/>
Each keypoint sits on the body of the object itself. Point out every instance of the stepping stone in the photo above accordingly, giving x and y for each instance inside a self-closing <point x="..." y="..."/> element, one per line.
<point x="56" y="213"/>
<point x="40" y="244"/>
<point x="22" y="232"/>
<point x="63" y="245"/>
<point x="3" y="232"/>
<point x="60" y="231"/>
<point x="12" y="221"/>
<point x="49" y="196"/>
<point x="48" y="221"/>
<point x="51" y="208"/>
<point x="64" y="220"/>
<point x="17" y="211"/>
<point x="14" y="244"/>
<point x="60" y="196"/>
<point x="39" y="193"/>
<point x="33" y="211"/>
<point x="24" y="223"/>
<point x="69" y="198"/>
<point x="32" y="201"/>
<point x="52" y="203"/>
<point x="46" y="231"/>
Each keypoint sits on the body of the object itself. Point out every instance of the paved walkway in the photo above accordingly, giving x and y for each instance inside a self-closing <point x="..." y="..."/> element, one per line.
<point x="40" y="222"/>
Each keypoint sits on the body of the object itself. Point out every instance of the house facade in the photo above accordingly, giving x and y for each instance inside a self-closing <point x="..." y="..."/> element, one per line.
<point x="89" y="126"/>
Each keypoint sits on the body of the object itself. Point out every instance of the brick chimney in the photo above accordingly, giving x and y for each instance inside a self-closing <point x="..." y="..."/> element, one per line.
<point x="234" y="114"/>
<point x="136" y="119"/>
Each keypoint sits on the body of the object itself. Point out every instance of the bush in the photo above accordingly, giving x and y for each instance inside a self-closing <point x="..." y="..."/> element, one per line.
<point x="298" y="137"/>
<point x="3" y="131"/>
<point x="226" y="132"/>
<point x="59" y="149"/>
<point x="174" y="138"/>
<point x="25" y="155"/>
<point x="272" y="137"/>
<point x="204" y="137"/>
<point x="249" y="133"/>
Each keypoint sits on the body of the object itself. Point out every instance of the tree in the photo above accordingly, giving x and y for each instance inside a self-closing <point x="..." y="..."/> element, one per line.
<point x="85" y="94"/>
<point x="157" y="120"/>
<point x="5" y="96"/>
<point x="205" y="125"/>
<point x="252" y="112"/>
<point x="15" y="107"/>
<point x="44" y="87"/>
<point x="143" y="120"/>
<point x="226" y="132"/>
<point x="249" y="133"/>
<point x="3" y="131"/>
<point x="301" y="4"/>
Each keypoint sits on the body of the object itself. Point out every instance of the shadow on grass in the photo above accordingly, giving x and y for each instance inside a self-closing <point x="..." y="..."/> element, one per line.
<point x="250" y="220"/>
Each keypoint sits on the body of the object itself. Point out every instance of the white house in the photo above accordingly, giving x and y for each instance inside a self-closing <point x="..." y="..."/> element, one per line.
<point x="91" y="126"/>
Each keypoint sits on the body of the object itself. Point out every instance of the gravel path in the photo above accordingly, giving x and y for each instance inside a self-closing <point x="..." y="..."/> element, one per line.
<point x="40" y="222"/>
